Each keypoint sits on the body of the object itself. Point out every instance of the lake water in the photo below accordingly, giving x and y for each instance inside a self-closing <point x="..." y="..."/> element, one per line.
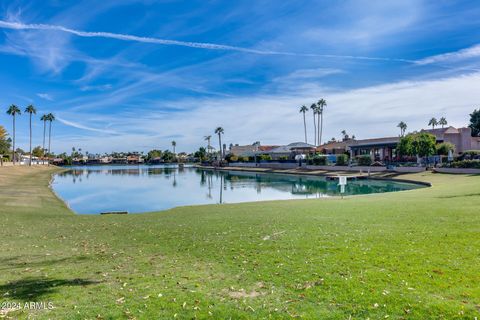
<point x="136" y="189"/>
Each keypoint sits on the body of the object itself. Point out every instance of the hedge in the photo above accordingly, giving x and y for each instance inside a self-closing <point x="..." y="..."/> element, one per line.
<point x="342" y="160"/>
<point x="465" y="164"/>
<point x="364" y="160"/>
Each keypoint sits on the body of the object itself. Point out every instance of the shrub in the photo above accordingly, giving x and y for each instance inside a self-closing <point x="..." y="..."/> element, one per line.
<point x="265" y="157"/>
<point x="283" y="158"/>
<point x="231" y="158"/>
<point x="470" y="154"/>
<point x="242" y="159"/>
<point x="465" y="164"/>
<point x="342" y="160"/>
<point x="364" y="160"/>
<point x="444" y="147"/>
<point x="319" y="160"/>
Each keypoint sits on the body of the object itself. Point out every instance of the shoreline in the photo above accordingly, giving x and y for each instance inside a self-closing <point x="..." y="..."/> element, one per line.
<point x="321" y="173"/>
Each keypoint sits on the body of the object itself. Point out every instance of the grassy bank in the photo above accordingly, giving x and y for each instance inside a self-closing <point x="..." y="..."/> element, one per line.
<point x="411" y="255"/>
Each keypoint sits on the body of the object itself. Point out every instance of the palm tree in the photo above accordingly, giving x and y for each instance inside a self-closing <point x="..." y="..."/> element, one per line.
<point x="208" y="138"/>
<point x="314" y="109"/>
<point x="31" y="110"/>
<point x="13" y="111"/>
<point x="220" y="131"/>
<point x="44" y="118"/>
<point x="321" y="105"/>
<point x="433" y="122"/>
<point x="50" y="118"/>
<point x="303" y="110"/>
<point x="344" y="134"/>
<point x="174" y="144"/>
<point x="403" y="127"/>
<point x="443" y="122"/>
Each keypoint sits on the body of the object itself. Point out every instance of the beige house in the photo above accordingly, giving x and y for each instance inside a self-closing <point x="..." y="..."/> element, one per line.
<point x="460" y="137"/>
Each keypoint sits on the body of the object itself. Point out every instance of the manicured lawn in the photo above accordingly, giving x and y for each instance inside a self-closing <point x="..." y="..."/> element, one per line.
<point x="407" y="255"/>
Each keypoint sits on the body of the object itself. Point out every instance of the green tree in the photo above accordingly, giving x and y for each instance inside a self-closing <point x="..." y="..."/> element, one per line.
<point x="403" y="127"/>
<point x="475" y="123"/>
<point x="4" y="143"/>
<point x="424" y="144"/>
<point x="13" y="111"/>
<point x="433" y="122"/>
<point x="220" y="131"/>
<point x="405" y="146"/>
<point x="168" y="156"/>
<point x="444" y="147"/>
<point x="201" y="154"/>
<point x="37" y="151"/>
<point x="31" y="111"/>
<point x="443" y="122"/>
<point x="321" y="104"/>
<point x="304" y="109"/>
<point x="208" y="138"/>
<point x="152" y="154"/>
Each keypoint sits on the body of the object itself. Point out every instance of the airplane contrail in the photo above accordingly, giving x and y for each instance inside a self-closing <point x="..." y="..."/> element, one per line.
<point x="200" y="45"/>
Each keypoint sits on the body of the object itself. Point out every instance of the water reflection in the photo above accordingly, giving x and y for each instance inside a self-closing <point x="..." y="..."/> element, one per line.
<point x="151" y="188"/>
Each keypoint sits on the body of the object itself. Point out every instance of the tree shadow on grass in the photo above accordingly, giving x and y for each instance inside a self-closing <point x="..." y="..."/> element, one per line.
<point x="36" y="262"/>
<point x="33" y="288"/>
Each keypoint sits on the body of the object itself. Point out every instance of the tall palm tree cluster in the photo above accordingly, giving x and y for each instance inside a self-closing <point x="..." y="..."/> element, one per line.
<point x="434" y="122"/>
<point x="317" y="111"/>
<point x="15" y="111"/>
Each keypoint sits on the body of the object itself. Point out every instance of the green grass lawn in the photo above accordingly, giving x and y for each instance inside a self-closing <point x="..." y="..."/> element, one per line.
<point x="405" y="255"/>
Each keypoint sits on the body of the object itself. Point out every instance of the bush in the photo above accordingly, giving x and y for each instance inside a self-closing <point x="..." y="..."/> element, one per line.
<point x="319" y="160"/>
<point x="470" y="154"/>
<point x="231" y="158"/>
<point x="283" y="158"/>
<point x="242" y="159"/>
<point x="342" y="160"/>
<point x="444" y="147"/>
<point x="465" y="164"/>
<point x="364" y="160"/>
<point x="265" y="157"/>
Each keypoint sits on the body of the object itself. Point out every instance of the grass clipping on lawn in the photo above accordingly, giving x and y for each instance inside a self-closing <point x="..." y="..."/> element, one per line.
<point x="405" y="255"/>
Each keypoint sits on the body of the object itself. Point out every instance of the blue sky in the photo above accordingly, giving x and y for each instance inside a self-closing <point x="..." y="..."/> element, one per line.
<point x="134" y="75"/>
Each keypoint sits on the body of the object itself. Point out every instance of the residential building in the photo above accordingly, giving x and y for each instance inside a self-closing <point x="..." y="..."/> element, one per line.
<point x="384" y="149"/>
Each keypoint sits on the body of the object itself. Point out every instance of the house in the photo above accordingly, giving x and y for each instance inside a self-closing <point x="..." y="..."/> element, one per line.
<point x="460" y="137"/>
<point x="250" y="150"/>
<point x="289" y="151"/>
<point x="335" y="147"/>
<point x="134" y="159"/>
<point x="384" y="149"/>
<point x="380" y="149"/>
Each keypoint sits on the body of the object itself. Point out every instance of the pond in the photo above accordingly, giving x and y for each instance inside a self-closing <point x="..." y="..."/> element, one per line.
<point x="96" y="189"/>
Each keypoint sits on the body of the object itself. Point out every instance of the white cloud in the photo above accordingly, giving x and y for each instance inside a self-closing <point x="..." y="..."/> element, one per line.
<point x="308" y="74"/>
<point x="200" y="45"/>
<point x="367" y="113"/>
<point x="467" y="53"/>
<point x="84" y="127"/>
<point x="45" y="96"/>
<point x="102" y="87"/>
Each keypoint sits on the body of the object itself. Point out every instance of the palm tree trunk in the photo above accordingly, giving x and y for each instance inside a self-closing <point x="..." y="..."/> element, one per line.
<point x="220" y="145"/>
<point x="314" y="128"/>
<point x="318" y="129"/>
<point x="44" y="134"/>
<point x="49" y="140"/>
<point x="13" y="145"/>
<point x="321" y="130"/>
<point x="30" y="139"/>
<point x="305" y="127"/>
